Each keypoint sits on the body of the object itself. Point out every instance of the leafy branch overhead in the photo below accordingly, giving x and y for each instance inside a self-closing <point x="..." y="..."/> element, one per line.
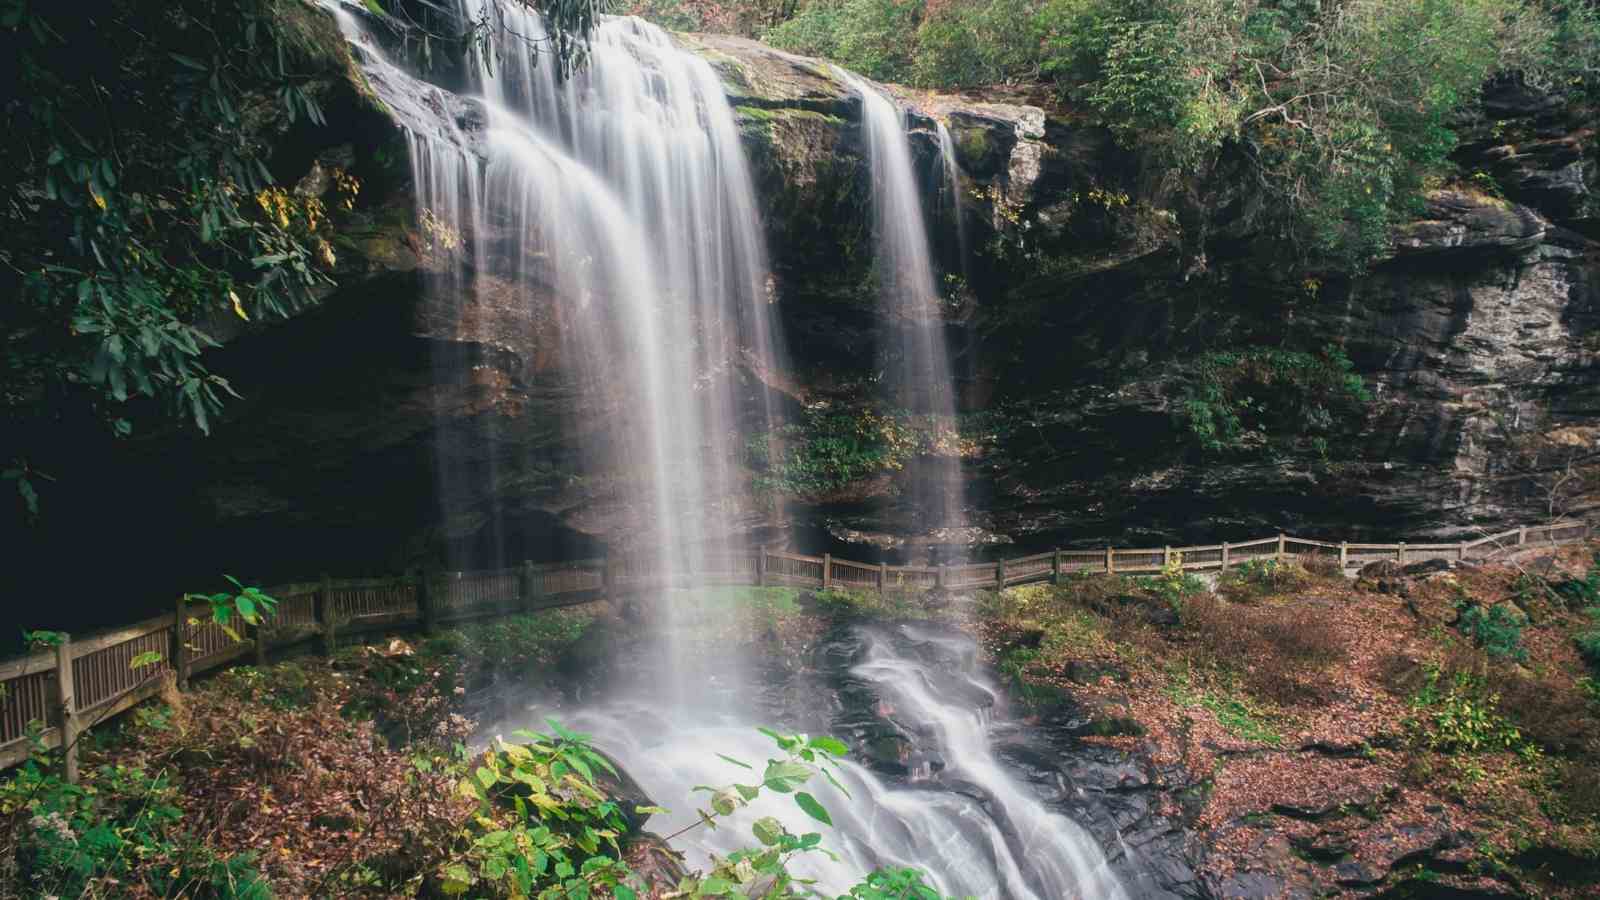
<point x="142" y="202"/>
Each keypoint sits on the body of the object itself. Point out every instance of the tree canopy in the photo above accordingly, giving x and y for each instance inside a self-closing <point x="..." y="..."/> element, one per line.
<point x="1342" y="110"/>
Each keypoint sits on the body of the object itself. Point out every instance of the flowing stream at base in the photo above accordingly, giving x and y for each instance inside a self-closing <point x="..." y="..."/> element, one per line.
<point x="958" y="815"/>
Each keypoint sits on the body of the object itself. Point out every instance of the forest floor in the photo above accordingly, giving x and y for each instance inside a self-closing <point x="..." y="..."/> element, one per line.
<point x="1425" y="729"/>
<point x="1413" y="731"/>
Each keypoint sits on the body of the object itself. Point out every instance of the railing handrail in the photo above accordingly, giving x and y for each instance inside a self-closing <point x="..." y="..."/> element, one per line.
<point x="83" y="675"/>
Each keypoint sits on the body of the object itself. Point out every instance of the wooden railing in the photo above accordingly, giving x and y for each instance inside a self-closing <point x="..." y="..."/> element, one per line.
<point x="90" y="679"/>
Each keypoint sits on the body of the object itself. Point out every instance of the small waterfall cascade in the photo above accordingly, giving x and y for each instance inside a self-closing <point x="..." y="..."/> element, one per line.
<point x="917" y="370"/>
<point x="968" y="824"/>
<point x="952" y="187"/>
<point x="615" y="204"/>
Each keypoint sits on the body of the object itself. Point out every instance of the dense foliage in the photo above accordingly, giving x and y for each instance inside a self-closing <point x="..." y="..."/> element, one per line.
<point x="1338" y="113"/>
<point x="1234" y="400"/>
<point x="147" y="199"/>
<point x="831" y="447"/>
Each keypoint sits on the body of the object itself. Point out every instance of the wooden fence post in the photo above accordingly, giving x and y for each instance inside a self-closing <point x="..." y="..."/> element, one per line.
<point x="1461" y="551"/>
<point x="1166" y="557"/>
<point x="67" y="703"/>
<point x="1344" y="555"/>
<point x="827" y="571"/>
<point x="761" y="566"/>
<point x="1000" y="575"/>
<point x="427" y="610"/>
<point x="1400" y="553"/>
<point x="1280" y="547"/>
<point x="180" y="642"/>
<point x="527" y="591"/>
<point x="1522" y="535"/>
<point x="883" y="577"/>
<point x="1055" y="566"/>
<point x="319" y="610"/>
<point x="1111" y="563"/>
<point x="1224" y="556"/>
<point x="330" y="615"/>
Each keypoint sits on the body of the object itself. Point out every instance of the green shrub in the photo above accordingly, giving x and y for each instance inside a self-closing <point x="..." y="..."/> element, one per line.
<point x="974" y="42"/>
<point x="1496" y="629"/>
<point x="517" y="644"/>
<point x="1460" y="716"/>
<point x="121" y="825"/>
<point x="1261" y="396"/>
<point x="1589" y="641"/>
<point x="872" y="37"/>
<point x="831" y="448"/>
<point x="1173" y="585"/>
<point x="1576" y="592"/>
<point x="1255" y="579"/>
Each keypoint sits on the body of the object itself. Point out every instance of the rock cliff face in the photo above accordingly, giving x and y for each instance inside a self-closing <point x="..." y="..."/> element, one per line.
<point x="1472" y="335"/>
<point x="1080" y="283"/>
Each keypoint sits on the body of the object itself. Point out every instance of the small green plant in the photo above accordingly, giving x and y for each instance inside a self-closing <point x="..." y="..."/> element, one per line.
<point x="1588" y="641"/>
<point x="1237" y="715"/>
<point x="1173" y="584"/>
<point x="1252" y="398"/>
<point x="1579" y="592"/>
<point x="121" y="826"/>
<point x="1460" y="717"/>
<point x="1496" y="629"/>
<point x="560" y="839"/>
<point x="245" y="604"/>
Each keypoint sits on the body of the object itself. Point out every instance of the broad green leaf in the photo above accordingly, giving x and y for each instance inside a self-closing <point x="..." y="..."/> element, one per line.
<point x="832" y="746"/>
<point x="812" y="808"/>
<point x="784" y="776"/>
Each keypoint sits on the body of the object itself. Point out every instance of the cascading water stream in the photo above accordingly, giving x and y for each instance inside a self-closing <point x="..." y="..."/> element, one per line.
<point x="618" y="202"/>
<point x="970" y="826"/>
<point x="952" y="188"/>
<point x="917" y="364"/>
<point x="615" y="203"/>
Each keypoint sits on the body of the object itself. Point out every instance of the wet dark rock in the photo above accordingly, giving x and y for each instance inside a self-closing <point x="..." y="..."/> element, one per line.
<point x="334" y="821"/>
<point x="1427" y="567"/>
<point x="1086" y="671"/>
<point x="1375" y="571"/>
<point x="653" y="860"/>
<point x="628" y="794"/>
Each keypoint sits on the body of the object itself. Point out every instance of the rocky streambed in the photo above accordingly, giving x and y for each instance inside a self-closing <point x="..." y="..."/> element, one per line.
<point x="943" y="775"/>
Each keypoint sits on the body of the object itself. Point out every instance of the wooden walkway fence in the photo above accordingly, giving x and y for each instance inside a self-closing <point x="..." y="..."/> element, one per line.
<point x="88" y="680"/>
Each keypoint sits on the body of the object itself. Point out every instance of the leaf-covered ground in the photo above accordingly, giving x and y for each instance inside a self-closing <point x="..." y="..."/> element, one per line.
<point x="1345" y="736"/>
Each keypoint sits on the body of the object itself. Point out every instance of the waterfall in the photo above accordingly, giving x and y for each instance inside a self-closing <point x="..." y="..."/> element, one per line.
<point x="969" y="825"/>
<point x="952" y="187"/>
<point x="916" y="362"/>
<point x="615" y="204"/>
